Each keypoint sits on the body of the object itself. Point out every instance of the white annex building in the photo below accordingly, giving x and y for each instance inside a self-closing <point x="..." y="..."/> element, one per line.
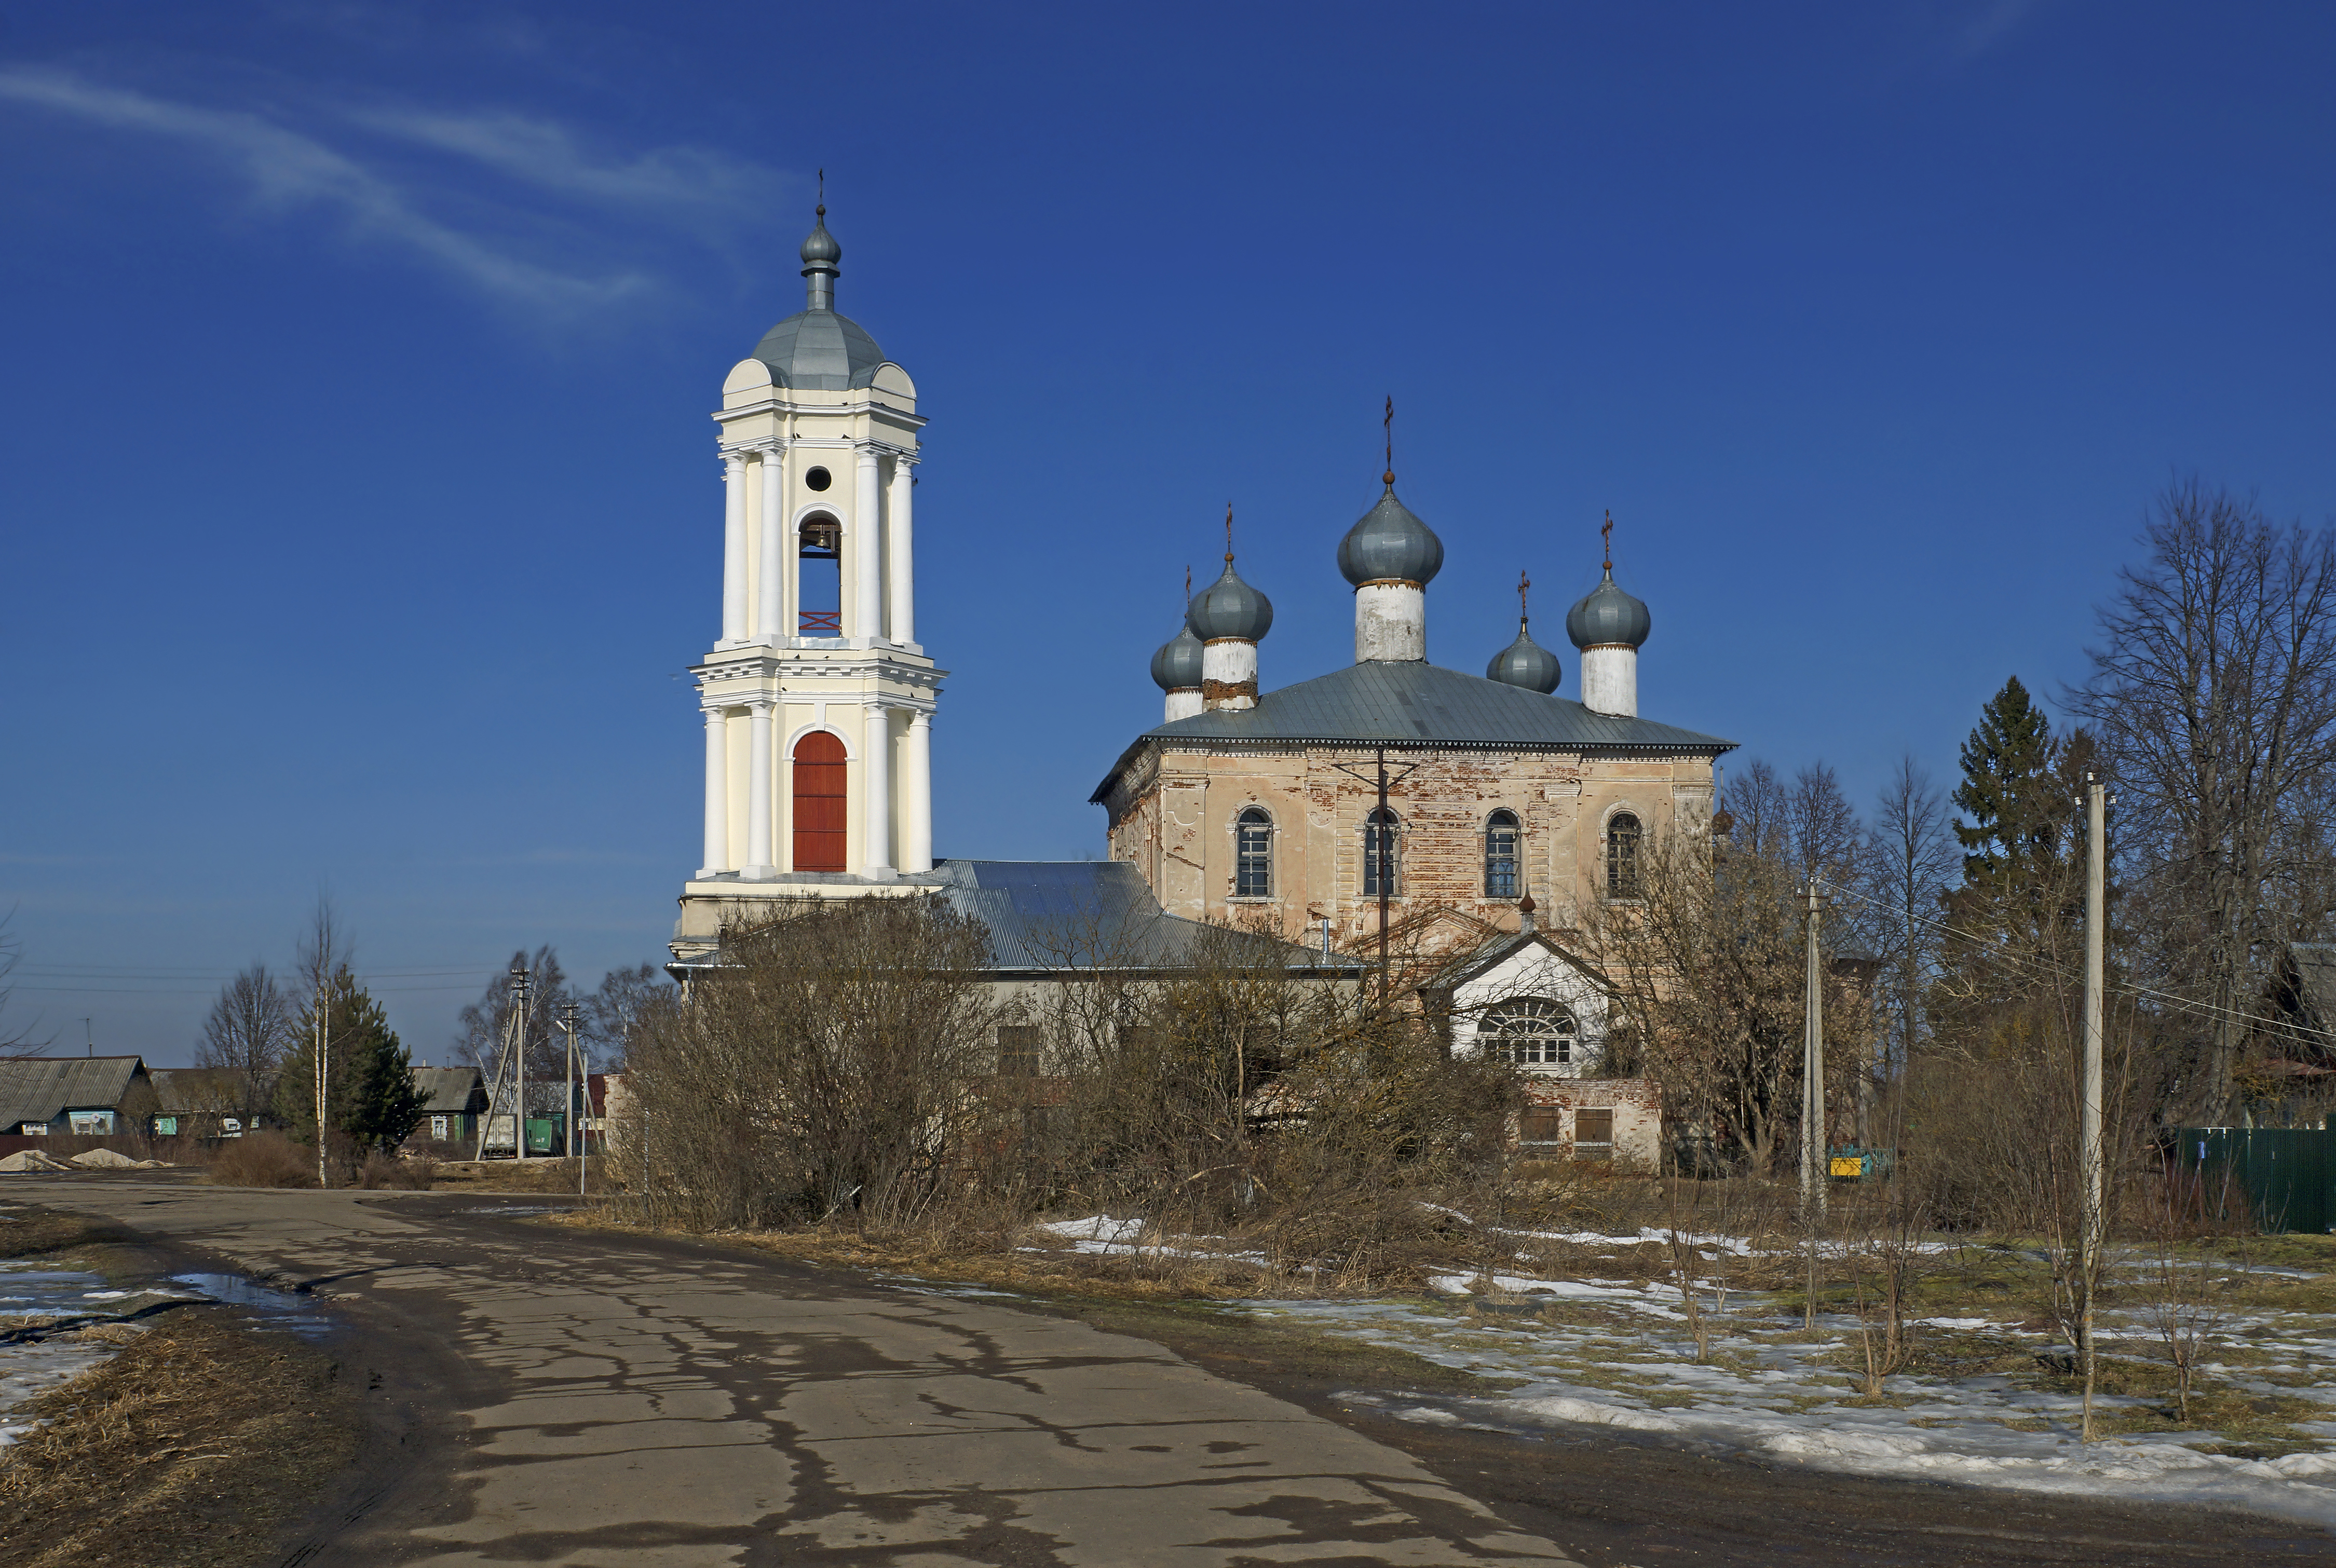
<point x="818" y="698"/>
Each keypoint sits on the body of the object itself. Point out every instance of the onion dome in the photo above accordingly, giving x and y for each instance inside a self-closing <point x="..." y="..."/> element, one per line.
<point x="1177" y="665"/>
<point x="1389" y="544"/>
<point x="816" y="348"/>
<point x="821" y="248"/>
<point x="1229" y="608"/>
<point x="1606" y="617"/>
<point x="1525" y="663"/>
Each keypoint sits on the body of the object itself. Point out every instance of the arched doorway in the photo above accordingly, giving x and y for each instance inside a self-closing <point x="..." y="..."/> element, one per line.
<point x="819" y="803"/>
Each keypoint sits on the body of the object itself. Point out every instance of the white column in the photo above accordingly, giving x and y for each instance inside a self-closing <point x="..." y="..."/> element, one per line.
<point x="771" y="616"/>
<point x="759" y="812"/>
<point x="717" y="794"/>
<point x="876" y="773"/>
<point x="899" y="573"/>
<point x="734" y="547"/>
<point x="917" y="795"/>
<point x="868" y="600"/>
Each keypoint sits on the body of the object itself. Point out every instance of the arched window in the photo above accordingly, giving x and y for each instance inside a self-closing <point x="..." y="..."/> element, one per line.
<point x="819" y="581"/>
<point x="1382" y="850"/>
<point x="1501" y="855"/>
<point x="818" y="801"/>
<point x="1623" y="856"/>
<point x="1530" y="1031"/>
<point x="1253" y="854"/>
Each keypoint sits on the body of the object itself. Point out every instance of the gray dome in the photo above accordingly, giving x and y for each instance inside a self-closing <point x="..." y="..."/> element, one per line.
<point x="1229" y="608"/>
<point x="821" y="246"/>
<point x="1525" y="663"/>
<point x="1177" y="665"/>
<point x="1390" y="542"/>
<point x="820" y="350"/>
<point x="1607" y="616"/>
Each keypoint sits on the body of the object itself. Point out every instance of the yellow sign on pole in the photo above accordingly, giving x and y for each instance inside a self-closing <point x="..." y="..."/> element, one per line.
<point x="1849" y="1165"/>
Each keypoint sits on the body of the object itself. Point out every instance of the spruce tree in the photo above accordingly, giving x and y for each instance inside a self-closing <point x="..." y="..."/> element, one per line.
<point x="2005" y="761"/>
<point x="371" y="1099"/>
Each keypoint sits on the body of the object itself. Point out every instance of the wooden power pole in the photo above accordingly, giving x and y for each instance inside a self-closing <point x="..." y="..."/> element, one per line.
<point x="2094" y="1193"/>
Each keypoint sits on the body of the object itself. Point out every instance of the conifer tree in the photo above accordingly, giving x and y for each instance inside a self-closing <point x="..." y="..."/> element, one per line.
<point x="2005" y="757"/>
<point x="371" y="1099"/>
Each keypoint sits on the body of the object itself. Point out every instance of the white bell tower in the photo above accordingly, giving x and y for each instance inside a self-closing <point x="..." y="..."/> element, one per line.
<point x="818" y="700"/>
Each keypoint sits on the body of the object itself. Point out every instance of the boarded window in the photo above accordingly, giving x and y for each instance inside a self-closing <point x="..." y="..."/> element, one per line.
<point x="1593" y="1134"/>
<point x="1018" y="1051"/>
<point x="1541" y="1124"/>
<point x="818" y="801"/>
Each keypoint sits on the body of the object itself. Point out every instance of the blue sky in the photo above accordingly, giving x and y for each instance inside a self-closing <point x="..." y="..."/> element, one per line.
<point x="360" y="502"/>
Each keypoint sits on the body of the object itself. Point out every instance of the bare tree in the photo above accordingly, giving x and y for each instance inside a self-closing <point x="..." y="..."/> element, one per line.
<point x="15" y="1042"/>
<point x="250" y="1029"/>
<point x="614" y="1013"/>
<point x="480" y="1027"/>
<point x="2213" y="690"/>
<point x="1914" y="863"/>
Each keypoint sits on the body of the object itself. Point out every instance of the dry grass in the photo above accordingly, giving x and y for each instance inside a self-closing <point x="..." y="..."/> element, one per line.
<point x="542" y="1176"/>
<point x="193" y="1446"/>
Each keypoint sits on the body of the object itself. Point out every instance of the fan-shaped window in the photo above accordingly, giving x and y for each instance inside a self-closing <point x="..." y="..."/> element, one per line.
<point x="1253" y="854"/>
<point x="1530" y="1031"/>
<point x="1501" y="855"/>
<point x="1382" y="849"/>
<point x="819" y="803"/>
<point x="1623" y="856"/>
<point x="818" y="580"/>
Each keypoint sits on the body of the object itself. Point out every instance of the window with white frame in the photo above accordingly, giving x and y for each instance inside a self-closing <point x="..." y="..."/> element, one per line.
<point x="1501" y="855"/>
<point x="1530" y="1031"/>
<point x="1253" y="854"/>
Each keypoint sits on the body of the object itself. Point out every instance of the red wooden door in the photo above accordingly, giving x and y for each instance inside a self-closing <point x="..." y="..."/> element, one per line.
<point x="819" y="803"/>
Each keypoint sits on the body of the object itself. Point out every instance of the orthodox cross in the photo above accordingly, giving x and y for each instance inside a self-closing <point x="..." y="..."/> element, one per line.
<point x="1524" y="582"/>
<point x="1389" y="425"/>
<point x="1229" y="533"/>
<point x="1607" y="534"/>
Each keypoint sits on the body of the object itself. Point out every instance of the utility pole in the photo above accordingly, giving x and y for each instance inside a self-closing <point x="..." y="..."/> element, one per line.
<point x="571" y="1027"/>
<point x="511" y="1065"/>
<point x="324" y="1080"/>
<point x="2095" y="1185"/>
<point x="1812" y="1143"/>
<point x="1380" y="838"/>
<point x="519" y="1049"/>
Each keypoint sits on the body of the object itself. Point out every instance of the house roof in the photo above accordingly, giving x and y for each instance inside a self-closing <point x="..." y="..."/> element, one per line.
<point x="1417" y="705"/>
<point x="42" y="1088"/>
<point x="192" y="1091"/>
<point x="451" y="1090"/>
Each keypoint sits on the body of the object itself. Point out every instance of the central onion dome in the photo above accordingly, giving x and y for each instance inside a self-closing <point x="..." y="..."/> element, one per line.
<point x="1525" y="663"/>
<point x="1389" y="544"/>
<point x="815" y="348"/>
<point x="1608" y="617"/>
<point x="1177" y="665"/>
<point x="1229" y="608"/>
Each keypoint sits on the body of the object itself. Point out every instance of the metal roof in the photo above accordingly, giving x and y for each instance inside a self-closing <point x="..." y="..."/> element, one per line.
<point x="42" y="1088"/>
<point x="191" y="1091"/>
<point x="1081" y="914"/>
<point x="820" y="350"/>
<point x="1606" y="617"/>
<point x="1418" y="704"/>
<point x="1389" y="541"/>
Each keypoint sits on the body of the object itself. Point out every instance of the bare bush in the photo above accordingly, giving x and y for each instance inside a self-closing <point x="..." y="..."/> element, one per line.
<point x="261" y="1160"/>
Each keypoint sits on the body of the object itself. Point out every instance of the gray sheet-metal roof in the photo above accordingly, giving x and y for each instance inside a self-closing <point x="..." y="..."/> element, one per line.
<point x="452" y="1090"/>
<point x="1418" y="705"/>
<point x="42" y="1088"/>
<point x="820" y="349"/>
<point x="1079" y="914"/>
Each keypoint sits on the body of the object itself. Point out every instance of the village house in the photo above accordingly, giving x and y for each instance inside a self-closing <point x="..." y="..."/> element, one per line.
<point x="76" y="1097"/>
<point x="205" y="1102"/>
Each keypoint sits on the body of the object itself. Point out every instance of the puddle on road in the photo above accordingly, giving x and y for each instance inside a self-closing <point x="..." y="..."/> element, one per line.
<point x="277" y="1309"/>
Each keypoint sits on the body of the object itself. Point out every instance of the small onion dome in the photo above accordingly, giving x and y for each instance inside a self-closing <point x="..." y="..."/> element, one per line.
<point x="1525" y="663"/>
<point x="1229" y="608"/>
<point x="1177" y="665"/>
<point x="821" y="248"/>
<point x="1608" y="616"/>
<point x="1390" y="543"/>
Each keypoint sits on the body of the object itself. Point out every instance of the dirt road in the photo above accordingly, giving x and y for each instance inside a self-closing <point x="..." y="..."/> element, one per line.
<point x="543" y="1395"/>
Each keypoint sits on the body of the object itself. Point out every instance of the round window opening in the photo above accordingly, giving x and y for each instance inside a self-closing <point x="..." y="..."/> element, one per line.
<point x="818" y="478"/>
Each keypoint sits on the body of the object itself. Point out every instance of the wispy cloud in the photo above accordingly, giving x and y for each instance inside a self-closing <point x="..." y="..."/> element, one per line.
<point x="287" y="167"/>
<point x="546" y="155"/>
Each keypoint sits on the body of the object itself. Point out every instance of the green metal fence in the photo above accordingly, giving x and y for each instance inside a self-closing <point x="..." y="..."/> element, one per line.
<point x="2285" y="1176"/>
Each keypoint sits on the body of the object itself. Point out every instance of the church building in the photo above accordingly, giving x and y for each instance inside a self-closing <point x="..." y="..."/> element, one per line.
<point x="1265" y="807"/>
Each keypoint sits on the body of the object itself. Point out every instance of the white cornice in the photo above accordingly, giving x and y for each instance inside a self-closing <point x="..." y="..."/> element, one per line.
<point x="780" y="405"/>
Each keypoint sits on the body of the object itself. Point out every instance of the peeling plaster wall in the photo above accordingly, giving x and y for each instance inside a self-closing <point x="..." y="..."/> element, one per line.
<point x="1176" y="825"/>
